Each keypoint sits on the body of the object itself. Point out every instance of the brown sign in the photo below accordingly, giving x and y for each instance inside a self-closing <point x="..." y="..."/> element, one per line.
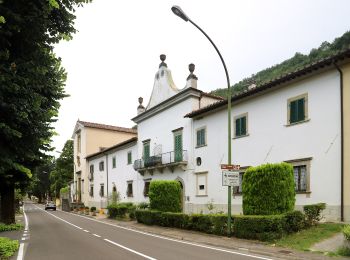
<point x="230" y="167"/>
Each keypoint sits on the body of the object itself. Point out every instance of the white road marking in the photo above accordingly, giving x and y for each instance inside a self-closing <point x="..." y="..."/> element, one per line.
<point x="96" y="235"/>
<point x="174" y="240"/>
<point x="25" y="234"/>
<point x="23" y="238"/>
<point x="86" y="231"/>
<point x="129" y="249"/>
<point x="21" y="245"/>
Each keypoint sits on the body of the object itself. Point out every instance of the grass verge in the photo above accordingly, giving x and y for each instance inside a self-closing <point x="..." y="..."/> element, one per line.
<point x="304" y="239"/>
<point x="11" y="227"/>
<point x="7" y="247"/>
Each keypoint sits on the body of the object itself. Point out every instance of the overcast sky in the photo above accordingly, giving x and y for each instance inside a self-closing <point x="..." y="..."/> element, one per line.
<point x="113" y="58"/>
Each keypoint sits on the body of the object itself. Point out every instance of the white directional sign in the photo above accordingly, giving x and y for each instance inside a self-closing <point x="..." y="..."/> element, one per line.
<point x="230" y="178"/>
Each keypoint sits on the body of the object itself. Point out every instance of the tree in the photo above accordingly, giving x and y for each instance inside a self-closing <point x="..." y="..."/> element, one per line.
<point x="32" y="84"/>
<point x="63" y="171"/>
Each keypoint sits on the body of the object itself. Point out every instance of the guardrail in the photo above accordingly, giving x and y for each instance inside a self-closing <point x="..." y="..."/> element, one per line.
<point x="161" y="159"/>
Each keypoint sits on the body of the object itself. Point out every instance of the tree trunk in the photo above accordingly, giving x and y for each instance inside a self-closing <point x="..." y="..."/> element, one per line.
<point x="7" y="192"/>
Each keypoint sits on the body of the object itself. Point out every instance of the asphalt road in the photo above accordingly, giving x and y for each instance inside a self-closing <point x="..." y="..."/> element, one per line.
<point x="61" y="235"/>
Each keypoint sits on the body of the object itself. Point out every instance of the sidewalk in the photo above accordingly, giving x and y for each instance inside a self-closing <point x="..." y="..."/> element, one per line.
<point x="240" y="245"/>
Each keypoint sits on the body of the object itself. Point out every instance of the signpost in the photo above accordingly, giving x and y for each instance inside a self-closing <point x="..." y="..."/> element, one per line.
<point x="230" y="178"/>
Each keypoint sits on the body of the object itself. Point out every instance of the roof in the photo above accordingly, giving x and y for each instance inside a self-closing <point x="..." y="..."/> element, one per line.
<point x="284" y="78"/>
<point x="108" y="127"/>
<point x="118" y="145"/>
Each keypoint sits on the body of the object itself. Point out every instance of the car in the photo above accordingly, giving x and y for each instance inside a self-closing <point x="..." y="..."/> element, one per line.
<point x="50" y="205"/>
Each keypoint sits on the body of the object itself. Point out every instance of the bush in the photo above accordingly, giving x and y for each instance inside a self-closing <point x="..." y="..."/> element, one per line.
<point x="165" y="196"/>
<point x="64" y="190"/>
<point x="117" y="210"/>
<point x="178" y="220"/>
<point x="295" y="221"/>
<point x="200" y="222"/>
<point x="7" y="247"/>
<point x="346" y="232"/>
<point x="219" y="222"/>
<point x="148" y="217"/>
<point x="313" y="213"/>
<point x="92" y="209"/>
<point x="143" y="205"/>
<point x="268" y="189"/>
<point x="259" y="227"/>
<point x="10" y="227"/>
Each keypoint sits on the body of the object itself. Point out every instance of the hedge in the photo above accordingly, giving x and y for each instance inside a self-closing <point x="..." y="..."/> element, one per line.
<point x="268" y="189"/>
<point x="165" y="196"/>
<point x="295" y="221"/>
<point x="10" y="227"/>
<point x="259" y="227"/>
<point x="121" y="209"/>
<point x="212" y="223"/>
<point x="346" y="232"/>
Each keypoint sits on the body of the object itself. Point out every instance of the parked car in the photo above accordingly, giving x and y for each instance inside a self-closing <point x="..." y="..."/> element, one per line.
<point x="50" y="205"/>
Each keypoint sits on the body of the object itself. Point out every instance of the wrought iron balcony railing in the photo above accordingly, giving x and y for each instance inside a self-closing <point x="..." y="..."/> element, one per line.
<point x="161" y="160"/>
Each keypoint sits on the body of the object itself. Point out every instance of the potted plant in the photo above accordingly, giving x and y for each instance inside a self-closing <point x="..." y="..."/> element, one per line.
<point x="87" y="210"/>
<point x="93" y="211"/>
<point x="81" y="210"/>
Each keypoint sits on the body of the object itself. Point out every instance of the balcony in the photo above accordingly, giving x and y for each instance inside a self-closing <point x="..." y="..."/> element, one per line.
<point x="170" y="160"/>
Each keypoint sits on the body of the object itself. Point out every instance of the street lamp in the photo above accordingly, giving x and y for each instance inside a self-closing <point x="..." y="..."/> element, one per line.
<point x="178" y="11"/>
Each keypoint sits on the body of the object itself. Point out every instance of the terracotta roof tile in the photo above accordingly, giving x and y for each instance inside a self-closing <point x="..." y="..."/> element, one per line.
<point x="108" y="127"/>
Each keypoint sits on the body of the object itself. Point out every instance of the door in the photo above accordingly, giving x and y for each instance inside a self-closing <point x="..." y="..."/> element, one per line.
<point x="178" y="146"/>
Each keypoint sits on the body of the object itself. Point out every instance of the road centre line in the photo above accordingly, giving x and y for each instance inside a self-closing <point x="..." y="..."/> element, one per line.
<point x="87" y="231"/>
<point x="175" y="240"/>
<point x="129" y="249"/>
<point x="107" y="240"/>
<point x="96" y="235"/>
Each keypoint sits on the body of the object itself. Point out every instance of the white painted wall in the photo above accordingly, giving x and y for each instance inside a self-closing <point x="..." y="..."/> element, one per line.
<point x="270" y="140"/>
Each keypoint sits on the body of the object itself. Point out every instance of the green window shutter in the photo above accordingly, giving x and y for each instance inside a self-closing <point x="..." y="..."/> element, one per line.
<point x="238" y="127"/>
<point x="301" y="109"/>
<point x="293" y="111"/>
<point x="129" y="158"/>
<point x="203" y="137"/>
<point x="178" y="147"/>
<point x="243" y="126"/>
<point x="114" y="162"/>
<point x="198" y="137"/>
<point x="146" y="151"/>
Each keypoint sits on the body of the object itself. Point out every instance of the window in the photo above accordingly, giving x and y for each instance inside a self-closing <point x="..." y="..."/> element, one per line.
<point x="146" y="149"/>
<point x="238" y="190"/>
<point x="79" y="143"/>
<point x="201" y="137"/>
<point x="297" y="109"/>
<point x="146" y="188"/>
<point x="92" y="168"/>
<point x="301" y="170"/>
<point x="129" y="157"/>
<point x="101" y="166"/>
<point x="114" y="162"/>
<point x="202" y="184"/>
<point x="91" y="193"/>
<point x="82" y="186"/>
<point x="102" y="190"/>
<point x="78" y="160"/>
<point x="241" y="125"/>
<point x="129" y="192"/>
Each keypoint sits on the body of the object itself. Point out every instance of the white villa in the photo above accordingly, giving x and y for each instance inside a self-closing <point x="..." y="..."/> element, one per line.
<point x="302" y="118"/>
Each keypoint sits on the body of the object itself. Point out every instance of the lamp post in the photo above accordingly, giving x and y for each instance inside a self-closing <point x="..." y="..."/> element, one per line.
<point x="178" y="11"/>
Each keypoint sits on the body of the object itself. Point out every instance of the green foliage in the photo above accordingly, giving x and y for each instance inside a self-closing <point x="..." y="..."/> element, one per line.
<point x="174" y="219"/>
<point x="165" y="196"/>
<point x="10" y="227"/>
<point x="148" y="217"/>
<point x="121" y="209"/>
<point x="259" y="227"/>
<point x="343" y="251"/>
<point x="295" y="221"/>
<point x="143" y="205"/>
<point x="92" y="209"/>
<point x="297" y="62"/>
<point x="313" y="213"/>
<point x="7" y="247"/>
<point x="346" y="232"/>
<point x="64" y="190"/>
<point x="268" y="189"/>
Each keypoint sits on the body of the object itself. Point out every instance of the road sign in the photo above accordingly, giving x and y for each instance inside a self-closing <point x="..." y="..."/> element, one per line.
<point x="230" y="178"/>
<point x="230" y="167"/>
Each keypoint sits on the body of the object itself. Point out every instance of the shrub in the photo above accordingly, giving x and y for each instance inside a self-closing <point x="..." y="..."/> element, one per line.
<point x="346" y="232"/>
<point x="259" y="227"/>
<point x="295" y="221"/>
<point x="148" y="217"/>
<point x="201" y="223"/>
<point x="92" y="209"/>
<point x="165" y="196"/>
<point x="10" y="227"/>
<point x="313" y="213"/>
<point x="178" y="220"/>
<point x="7" y="247"/>
<point x="268" y="189"/>
<point x="131" y="211"/>
<point x="117" y="210"/>
<point x="64" y="190"/>
<point x="143" y="205"/>
<point x="219" y="224"/>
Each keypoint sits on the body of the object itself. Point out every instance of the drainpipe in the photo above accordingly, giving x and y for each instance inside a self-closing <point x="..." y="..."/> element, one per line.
<point x="107" y="177"/>
<point x="341" y="144"/>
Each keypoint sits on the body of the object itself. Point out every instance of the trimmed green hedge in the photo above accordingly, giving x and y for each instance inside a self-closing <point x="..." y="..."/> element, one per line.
<point x="212" y="223"/>
<point x="121" y="209"/>
<point x="10" y="227"/>
<point x="259" y="227"/>
<point x="346" y="232"/>
<point x="7" y="247"/>
<point x="268" y="189"/>
<point x="295" y="221"/>
<point x="165" y="196"/>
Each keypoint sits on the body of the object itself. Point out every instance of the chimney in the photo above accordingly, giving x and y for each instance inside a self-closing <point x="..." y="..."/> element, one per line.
<point x="191" y="79"/>
<point x="140" y="108"/>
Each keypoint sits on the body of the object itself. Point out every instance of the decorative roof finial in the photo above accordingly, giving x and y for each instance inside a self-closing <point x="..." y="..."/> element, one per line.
<point x="162" y="58"/>
<point x="191" y="68"/>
